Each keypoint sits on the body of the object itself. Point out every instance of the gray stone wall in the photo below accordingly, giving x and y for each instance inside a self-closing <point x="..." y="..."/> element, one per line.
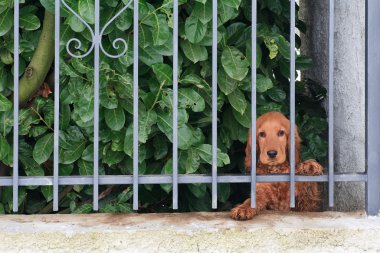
<point x="349" y="85"/>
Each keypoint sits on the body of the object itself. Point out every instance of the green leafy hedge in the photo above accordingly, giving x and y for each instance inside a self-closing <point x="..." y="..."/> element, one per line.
<point x="155" y="103"/>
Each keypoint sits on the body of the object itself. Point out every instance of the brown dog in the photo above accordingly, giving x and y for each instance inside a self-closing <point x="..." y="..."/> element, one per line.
<point x="273" y="148"/>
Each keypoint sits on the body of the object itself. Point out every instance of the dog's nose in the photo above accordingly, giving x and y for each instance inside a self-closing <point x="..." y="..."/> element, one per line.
<point x="272" y="153"/>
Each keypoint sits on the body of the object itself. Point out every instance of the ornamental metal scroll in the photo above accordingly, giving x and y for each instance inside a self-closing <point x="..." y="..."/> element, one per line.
<point x="78" y="44"/>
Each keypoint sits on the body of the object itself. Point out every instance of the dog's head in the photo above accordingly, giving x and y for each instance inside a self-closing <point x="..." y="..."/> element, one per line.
<point x="272" y="140"/>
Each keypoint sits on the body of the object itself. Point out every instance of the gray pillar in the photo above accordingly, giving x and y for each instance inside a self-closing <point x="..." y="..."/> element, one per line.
<point x="349" y="85"/>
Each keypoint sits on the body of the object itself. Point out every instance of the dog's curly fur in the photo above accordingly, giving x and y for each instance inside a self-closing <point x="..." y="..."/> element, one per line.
<point x="273" y="133"/>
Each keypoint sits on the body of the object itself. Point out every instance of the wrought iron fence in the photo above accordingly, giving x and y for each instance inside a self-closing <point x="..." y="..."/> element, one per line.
<point x="371" y="178"/>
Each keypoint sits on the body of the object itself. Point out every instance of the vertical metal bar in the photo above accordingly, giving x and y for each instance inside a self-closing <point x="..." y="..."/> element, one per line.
<point x="292" y="101"/>
<point x="331" y="103"/>
<point x="56" y="105"/>
<point x="135" y="105"/>
<point x="175" y="105"/>
<point x="372" y="105"/>
<point x="253" y="105"/>
<point x="96" y="106"/>
<point x="15" y="103"/>
<point x="214" y="185"/>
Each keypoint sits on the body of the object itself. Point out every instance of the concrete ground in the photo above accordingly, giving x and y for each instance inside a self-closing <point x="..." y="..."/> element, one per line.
<point x="192" y="232"/>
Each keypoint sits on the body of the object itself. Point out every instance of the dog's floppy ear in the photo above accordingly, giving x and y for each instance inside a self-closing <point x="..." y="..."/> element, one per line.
<point x="248" y="149"/>
<point x="297" y="145"/>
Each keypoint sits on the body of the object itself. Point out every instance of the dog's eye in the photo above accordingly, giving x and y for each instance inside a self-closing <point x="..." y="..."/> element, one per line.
<point x="280" y="133"/>
<point x="262" y="134"/>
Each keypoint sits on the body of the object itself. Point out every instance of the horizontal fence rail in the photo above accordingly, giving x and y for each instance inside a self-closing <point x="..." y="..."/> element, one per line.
<point x="96" y="48"/>
<point x="182" y="179"/>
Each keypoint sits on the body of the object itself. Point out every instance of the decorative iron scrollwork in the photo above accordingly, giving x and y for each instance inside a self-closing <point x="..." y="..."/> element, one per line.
<point x="94" y="38"/>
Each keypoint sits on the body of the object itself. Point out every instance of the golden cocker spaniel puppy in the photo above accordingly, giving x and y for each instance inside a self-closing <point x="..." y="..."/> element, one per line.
<point x="273" y="149"/>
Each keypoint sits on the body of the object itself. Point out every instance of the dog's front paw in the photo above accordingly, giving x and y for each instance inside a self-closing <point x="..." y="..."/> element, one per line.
<point x="243" y="212"/>
<point x="310" y="168"/>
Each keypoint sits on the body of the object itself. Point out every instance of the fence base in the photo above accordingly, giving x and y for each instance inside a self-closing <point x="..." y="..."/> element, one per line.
<point x="191" y="232"/>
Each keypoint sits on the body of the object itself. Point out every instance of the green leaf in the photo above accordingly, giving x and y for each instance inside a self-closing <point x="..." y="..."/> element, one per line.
<point x="167" y="170"/>
<point x="84" y="108"/>
<point x="85" y="208"/>
<point x="38" y="131"/>
<point x="224" y="191"/>
<point x="88" y="153"/>
<point x="43" y="148"/>
<point x="237" y="100"/>
<point x="85" y="168"/>
<point x="283" y="46"/>
<point x="87" y="10"/>
<point x="189" y="98"/>
<point x="124" y="21"/>
<point x="263" y="83"/>
<point x="48" y="112"/>
<point x="6" y="121"/>
<point x="149" y="56"/>
<point x="276" y="94"/>
<point x="48" y="5"/>
<point x="76" y="24"/>
<point x="165" y="124"/>
<point x="64" y="116"/>
<point x="226" y="12"/>
<point x="47" y="191"/>
<point x="205" y="153"/>
<point x="232" y="3"/>
<point x="164" y="73"/>
<point x="111" y="157"/>
<point x="185" y="137"/>
<point x="234" y="63"/>
<point x="258" y="54"/>
<point x="29" y="22"/>
<point x="33" y="170"/>
<point x="6" y="21"/>
<point x="128" y="141"/>
<point x="4" y="79"/>
<point x="303" y="62"/>
<point x="226" y="84"/>
<point x="72" y="146"/>
<point x="65" y="169"/>
<point x="5" y="104"/>
<point x="269" y="107"/>
<point x="275" y="6"/>
<point x="146" y="120"/>
<point x="203" y="11"/>
<point x="145" y="36"/>
<point x="6" y="57"/>
<point x="272" y="47"/>
<point x="196" y="80"/>
<point x="192" y="161"/>
<point x="243" y="119"/>
<point x="160" y="146"/>
<point x="194" y="52"/>
<point x="235" y="31"/>
<point x="199" y="190"/>
<point x="124" y="196"/>
<point x="195" y="30"/>
<point x="160" y="33"/>
<point x="124" y="86"/>
<point x="5" y="149"/>
<point x="115" y="118"/>
<point x="117" y="139"/>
